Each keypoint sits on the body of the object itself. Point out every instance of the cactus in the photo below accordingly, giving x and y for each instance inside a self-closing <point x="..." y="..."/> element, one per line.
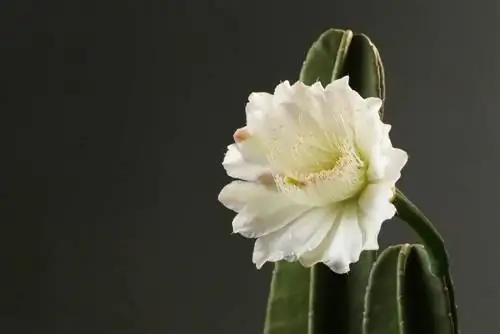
<point x="404" y="296"/>
<point x="317" y="300"/>
<point x="373" y="298"/>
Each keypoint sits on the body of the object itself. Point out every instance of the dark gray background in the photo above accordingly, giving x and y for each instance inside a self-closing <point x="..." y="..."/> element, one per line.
<point x="115" y="118"/>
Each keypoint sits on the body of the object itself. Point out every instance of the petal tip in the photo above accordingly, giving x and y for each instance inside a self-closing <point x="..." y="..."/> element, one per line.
<point x="339" y="268"/>
<point x="240" y="135"/>
<point x="258" y="262"/>
<point x="371" y="246"/>
<point x="343" y="80"/>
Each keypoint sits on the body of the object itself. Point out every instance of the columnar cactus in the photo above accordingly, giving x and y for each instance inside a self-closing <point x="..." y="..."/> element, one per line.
<point x="403" y="289"/>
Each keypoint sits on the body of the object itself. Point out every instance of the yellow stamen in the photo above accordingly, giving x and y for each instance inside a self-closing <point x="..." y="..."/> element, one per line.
<point x="291" y="181"/>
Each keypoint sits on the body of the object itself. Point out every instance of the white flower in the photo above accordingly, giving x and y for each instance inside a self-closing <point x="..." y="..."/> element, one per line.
<point x="317" y="174"/>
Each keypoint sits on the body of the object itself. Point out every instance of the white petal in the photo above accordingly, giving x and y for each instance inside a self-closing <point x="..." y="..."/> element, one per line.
<point x="371" y="226"/>
<point x="302" y="235"/>
<point x="265" y="215"/>
<point x="342" y="245"/>
<point x="317" y="89"/>
<point x="237" y="194"/>
<point x="282" y="92"/>
<point x="238" y="167"/>
<point x="340" y="83"/>
<point x="264" y="120"/>
<point x="261" y="210"/>
<point x="373" y="104"/>
<point x="377" y="162"/>
<point x="253" y="150"/>
<point x="386" y="162"/>
<point x="375" y="208"/>
<point x="397" y="159"/>
<point x="340" y="107"/>
<point x="306" y="98"/>
<point x="369" y="127"/>
<point x="374" y="199"/>
<point x="258" y="107"/>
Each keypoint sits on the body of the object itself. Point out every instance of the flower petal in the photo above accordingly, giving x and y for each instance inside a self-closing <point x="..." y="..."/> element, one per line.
<point x="258" y="108"/>
<point x="342" y="245"/>
<point x="238" y="166"/>
<point x="282" y="92"/>
<point x="307" y="99"/>
<point x="265" y="215"/>
<point x="302" y="235"/>
<point x="373" y="105"/>
<point x="340" y="105"/>
<point x="372" y="136"/>
<point x="371" y="226"/>
<point x="261" y="210"/>
<point x="375" y="208"/>
<point x="253" y="150"/>
<point x="375" y="199"/>
<point x="397" y="159"/>
<point x="377" y="164"/>
<point x="237" y="194"/>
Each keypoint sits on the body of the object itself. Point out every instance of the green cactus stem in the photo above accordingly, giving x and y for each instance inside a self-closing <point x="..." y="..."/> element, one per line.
<point x="404" y="296"/>
<point x="434" y="244"/>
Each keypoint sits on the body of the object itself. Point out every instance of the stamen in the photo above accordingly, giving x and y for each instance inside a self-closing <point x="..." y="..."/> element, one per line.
<point x="291" y="181"/>
<point x="343" y="177"/>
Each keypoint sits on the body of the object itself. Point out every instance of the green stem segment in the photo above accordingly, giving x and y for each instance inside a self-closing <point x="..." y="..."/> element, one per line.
<point x="434" y="244"/>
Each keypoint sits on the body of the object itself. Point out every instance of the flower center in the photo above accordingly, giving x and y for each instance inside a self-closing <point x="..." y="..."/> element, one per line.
<point x="339" y="179"/>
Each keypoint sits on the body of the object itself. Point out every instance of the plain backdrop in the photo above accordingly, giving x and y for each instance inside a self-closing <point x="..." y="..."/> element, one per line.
<point x="115" y="117"/>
